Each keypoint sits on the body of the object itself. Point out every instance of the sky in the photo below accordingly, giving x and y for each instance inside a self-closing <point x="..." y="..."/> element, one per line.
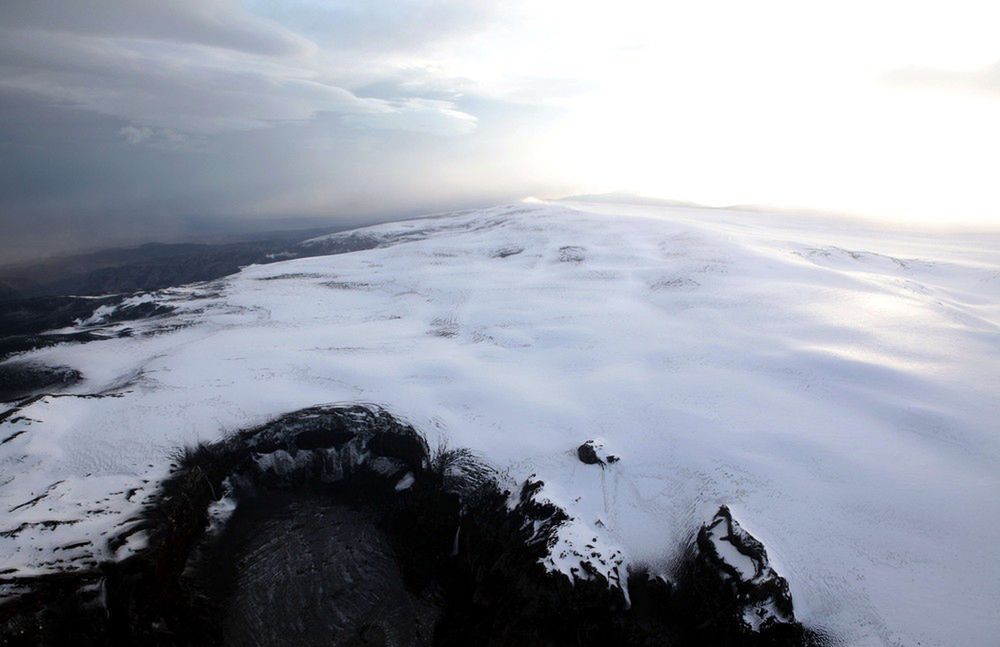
<point x="132" y="120"/>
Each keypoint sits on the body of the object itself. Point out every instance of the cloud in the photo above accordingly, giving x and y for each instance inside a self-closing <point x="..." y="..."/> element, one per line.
<point x="215" y="23"/>
<point x="432" y="116"/>
<point x="382" y="27"/>
<point x="135" y="134"/>
<point x="133" y="120"/>
<point x="191" y="67"/>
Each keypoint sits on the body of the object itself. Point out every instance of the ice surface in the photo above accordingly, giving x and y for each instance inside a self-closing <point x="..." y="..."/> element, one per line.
<point x="835" y="386"/>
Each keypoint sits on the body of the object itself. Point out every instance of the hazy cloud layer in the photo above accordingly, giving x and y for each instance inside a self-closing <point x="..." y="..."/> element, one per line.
<point x="139" y="119"/>
<point x="189" y="67"/>
<point x="214" y="23"/>
<point x="132" y="118"/>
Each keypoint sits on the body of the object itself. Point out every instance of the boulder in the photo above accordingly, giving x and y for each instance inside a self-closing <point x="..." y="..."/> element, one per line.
<point x="587" y="453"/>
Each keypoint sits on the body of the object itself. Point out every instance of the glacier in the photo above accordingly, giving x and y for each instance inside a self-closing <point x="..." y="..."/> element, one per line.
<point x="832" y="382"/>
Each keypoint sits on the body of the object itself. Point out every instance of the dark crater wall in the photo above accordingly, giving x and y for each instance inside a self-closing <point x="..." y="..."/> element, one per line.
<point x="348" y="530"/>
<point x="304" y="567"/>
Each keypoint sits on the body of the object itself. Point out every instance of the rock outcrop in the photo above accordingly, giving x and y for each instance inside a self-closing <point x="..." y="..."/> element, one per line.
<point x="592" y="453"/>
<point x="463" y="559"/>
<point x="734" y="592"/>
<point x="587" y="453"/>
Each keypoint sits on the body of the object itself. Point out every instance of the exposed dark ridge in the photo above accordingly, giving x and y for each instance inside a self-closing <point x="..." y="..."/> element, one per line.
<point x="34" y="315"/>
<point x="151" y="266"/>
<point x="23" y="322"/>
<point x="14" y="344"/>
<point x="155" y="266"/>
<point x="468" y="551"/>
<point x="22" y="379"/>
<point x="53" y="294"/>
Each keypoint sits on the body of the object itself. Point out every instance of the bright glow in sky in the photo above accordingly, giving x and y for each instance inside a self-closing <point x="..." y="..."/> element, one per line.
<point x="886" y="108"/>
<point x="143" y="117"/>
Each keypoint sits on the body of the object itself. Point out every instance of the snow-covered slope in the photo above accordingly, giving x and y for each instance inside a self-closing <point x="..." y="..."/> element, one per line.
<point x="836" y="387"/>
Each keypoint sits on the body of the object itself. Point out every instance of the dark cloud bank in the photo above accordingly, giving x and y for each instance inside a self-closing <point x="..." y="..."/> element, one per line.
<point x="128" y="121"/>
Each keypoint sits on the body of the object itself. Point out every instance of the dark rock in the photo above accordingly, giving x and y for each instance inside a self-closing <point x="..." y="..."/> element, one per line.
<point x="148" y="597"/>
<point x="650" y="596"/>
<point x="155" y="266"/>
<point x="411" y="450"/>
<point x="35" y="315"/>
<point x="144" y="310"/>
<point x="733" y="592"/>
<point x="23" y="322"/>
<point x="587" y="453"/>
<point x="326" y="551"/>
<point x="333" y="434"/>
<point x="300" y="568"/>
<point x="23" y="379"/>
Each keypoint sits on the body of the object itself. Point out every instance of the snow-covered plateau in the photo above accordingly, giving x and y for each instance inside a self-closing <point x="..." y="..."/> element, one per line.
<point x="835" y="384"/>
